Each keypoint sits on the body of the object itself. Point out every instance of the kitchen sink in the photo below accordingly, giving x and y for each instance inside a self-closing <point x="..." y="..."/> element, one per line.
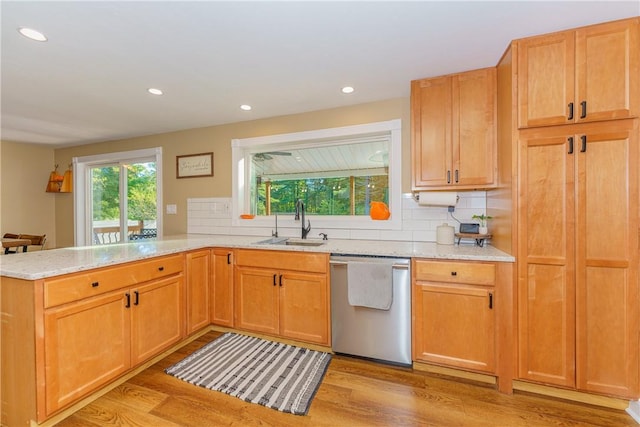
<point x="291" y="242"/>
<point x="304" y="242"/>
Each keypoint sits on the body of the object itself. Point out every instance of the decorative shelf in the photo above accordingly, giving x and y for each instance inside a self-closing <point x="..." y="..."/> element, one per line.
<point x="60" y="183"/>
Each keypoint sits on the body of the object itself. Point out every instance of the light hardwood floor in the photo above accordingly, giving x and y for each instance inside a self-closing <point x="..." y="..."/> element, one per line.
<point x="353" y="393"/>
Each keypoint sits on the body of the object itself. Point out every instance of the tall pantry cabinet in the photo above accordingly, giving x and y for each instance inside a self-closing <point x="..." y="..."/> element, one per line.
<point x="578" y="208"/>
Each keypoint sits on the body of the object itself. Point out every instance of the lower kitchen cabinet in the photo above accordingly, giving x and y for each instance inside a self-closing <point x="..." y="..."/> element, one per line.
<point x="285" y="296"/>
<point x="92" y="341"/>
<point x="86" y="344"/>
<point x="454" y="320"/>
<point x="72" y="334"/>
<point x="221" y="287"/>
<point x="197" y="265"/>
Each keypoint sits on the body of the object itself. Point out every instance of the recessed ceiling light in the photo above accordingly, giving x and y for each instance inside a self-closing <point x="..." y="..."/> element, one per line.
<point x="32" y="34"/>
<point x="245" y="107"/>
<point x="347" y="89"/>
<point x="154" y="91"/>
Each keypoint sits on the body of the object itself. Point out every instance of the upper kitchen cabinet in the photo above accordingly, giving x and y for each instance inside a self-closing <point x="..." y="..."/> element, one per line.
<point x="453" y="128"/>
<point x="584" y="75"/>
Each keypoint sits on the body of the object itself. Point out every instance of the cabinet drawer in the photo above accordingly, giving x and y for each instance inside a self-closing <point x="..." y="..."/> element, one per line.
<point x="94" y="282"/>
<point x="278" y="260"/>
<point x="455" y="272"/>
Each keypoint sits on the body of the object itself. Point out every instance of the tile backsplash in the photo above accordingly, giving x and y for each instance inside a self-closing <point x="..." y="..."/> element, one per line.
<point x="213" y="216"/>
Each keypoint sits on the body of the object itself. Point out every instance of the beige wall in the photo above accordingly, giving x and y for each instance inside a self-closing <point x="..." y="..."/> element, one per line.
<point x="218" y="140"/>
<point x="25" y="207"/>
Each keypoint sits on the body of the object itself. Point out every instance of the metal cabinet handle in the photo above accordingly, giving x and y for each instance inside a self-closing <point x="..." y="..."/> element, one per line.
<point x="448" y="177"/>
<point x="274" y="279"/>
<point x="490" y="300"/>
<point x="137" y="300"/>
<point x="570" y="139"/>
<point x="456" y="176"/>
<point x="570" y="117"/>
<point x="229" y="258"/>
<point x="583" y="109"/>
<point x="95" y="284"/>
<point x="583" y="140"/>
<point x="128" y="304"/>
<point x="454" y="273"/>
<point x="280" y="280"/>
<point x="160" y="268"/>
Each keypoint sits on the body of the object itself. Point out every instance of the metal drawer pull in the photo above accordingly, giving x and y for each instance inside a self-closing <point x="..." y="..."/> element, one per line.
<point x="490" y="300"/>
<point x="137" y="300"/>
<point x="570" y="139"/>
<point x="400" y="266"/>
<point x="583" y="108"/>
<point x="583" y="139"/>
<point x="95" y="284"/>
<point x="128" y="300"/>
<point x="160" y="268"/>
<point x="454" y="273"/>
<point x="570" y="117"/>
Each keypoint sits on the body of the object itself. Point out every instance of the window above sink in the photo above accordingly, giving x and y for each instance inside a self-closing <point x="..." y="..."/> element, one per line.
<point x="337" y="172"/>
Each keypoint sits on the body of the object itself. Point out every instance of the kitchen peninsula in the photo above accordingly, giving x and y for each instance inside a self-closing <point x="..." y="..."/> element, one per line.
<point x="79" y="320"/>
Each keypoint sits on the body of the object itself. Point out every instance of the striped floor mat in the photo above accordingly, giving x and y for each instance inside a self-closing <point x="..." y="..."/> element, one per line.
<point x="275" y="375"/>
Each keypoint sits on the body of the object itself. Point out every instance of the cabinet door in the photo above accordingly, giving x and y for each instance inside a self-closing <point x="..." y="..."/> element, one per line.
<point x="197" y="279"/>
<point x="304" y="307"/>
<point x="454" y="325"/>
<point x="546" y="73"/>
<point x="256" y="300"/>
<point x="474" y="125"/>
<point x="431" y="132"/>
<point x="607" y="69"/>
<point x="607" y="261"/>
<point x="221" y="299"/>
<point x="86" y="344"/>
<point x="156" y="317"/>
<point x="546" y="267"/>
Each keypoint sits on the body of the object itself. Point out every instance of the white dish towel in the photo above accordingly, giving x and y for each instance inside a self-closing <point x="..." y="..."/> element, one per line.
<point x="370" y="285"/>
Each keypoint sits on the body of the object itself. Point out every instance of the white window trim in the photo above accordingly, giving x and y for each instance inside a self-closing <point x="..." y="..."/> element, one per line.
<point x="239" y="157"/>
<point x="82" y="181"/>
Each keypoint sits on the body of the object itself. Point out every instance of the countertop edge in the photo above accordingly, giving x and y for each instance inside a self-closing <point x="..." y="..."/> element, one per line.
<point x="56" y="262"/>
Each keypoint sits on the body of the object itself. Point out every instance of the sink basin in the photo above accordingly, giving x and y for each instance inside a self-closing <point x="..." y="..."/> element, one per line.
<point x="273" y="241"/>
<point x="291" y="242"/>
<point x="304" y="242"/>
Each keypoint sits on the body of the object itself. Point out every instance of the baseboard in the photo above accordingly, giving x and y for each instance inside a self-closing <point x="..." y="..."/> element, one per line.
<point x="456" y="373"/>
<point x="576" y="396"/>
<point x="634" y="410"/>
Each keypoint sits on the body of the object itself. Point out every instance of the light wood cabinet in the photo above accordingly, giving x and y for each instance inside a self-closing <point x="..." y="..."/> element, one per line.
<point x="454" y="321"/>
<point x="197" y="265"/>
<point x="221" y="290"/>
<point x="585" y="75"/>
<point x="453" y="121"/>
<point x="72" y="334"/>
<point x="578" y="257"/>
<point x="284" y="294"/>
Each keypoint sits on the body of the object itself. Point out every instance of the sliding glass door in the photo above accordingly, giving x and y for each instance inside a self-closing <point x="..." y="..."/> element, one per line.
<point x="120" y="197"/>
<point x="123" y="202"/>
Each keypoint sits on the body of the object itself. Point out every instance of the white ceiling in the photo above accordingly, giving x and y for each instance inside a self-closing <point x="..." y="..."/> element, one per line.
<point x="88" y="82"/>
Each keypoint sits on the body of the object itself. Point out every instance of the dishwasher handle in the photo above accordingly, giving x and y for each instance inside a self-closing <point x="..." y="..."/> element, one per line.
<point x="394" y="266"/>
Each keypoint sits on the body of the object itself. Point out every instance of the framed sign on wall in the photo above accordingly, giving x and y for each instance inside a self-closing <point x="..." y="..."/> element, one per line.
<point x="194" y="165"/>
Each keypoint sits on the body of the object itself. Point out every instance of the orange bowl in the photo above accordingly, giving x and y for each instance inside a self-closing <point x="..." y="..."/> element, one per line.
<point x="247" y="216"/>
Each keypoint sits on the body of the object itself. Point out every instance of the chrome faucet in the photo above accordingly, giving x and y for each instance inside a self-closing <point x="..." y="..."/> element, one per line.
<point x="300" y="212"/>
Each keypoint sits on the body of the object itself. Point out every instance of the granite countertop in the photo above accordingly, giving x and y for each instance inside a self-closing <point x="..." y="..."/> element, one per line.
<point x="55" y="262"/>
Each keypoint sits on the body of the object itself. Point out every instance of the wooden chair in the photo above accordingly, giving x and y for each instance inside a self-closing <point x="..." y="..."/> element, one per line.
<point x="10" y="236"/>
<point x="35" y="240"/>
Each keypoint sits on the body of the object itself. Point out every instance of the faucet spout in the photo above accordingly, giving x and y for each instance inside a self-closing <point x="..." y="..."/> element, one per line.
<point x="300" y="212"/>
<point x="275" y="233"/>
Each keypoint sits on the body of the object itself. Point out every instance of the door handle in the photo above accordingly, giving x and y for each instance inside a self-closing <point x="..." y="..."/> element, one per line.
<point x="583" y="140"/>
<point x="583" y="109"/>
<point x="570" y="139"/>
<point x="137" y="300"/>
<point x="570" y="117"/>
<point x="229" y="258"/>
<point x="274" y="279"/>
<point x="280" y="280"/>
<point x="128" y="304"/>
<point x="448" y="177"/>
<point x="490" y="300"/>
<point x="456" y="176"/>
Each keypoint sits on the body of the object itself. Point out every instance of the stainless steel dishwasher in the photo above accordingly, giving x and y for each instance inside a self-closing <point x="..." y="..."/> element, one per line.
<point x="383" y="335"/>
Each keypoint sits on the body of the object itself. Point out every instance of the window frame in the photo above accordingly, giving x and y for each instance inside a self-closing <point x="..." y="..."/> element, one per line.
<point x="82" y="185"/>
<point x="240" y="155"/>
